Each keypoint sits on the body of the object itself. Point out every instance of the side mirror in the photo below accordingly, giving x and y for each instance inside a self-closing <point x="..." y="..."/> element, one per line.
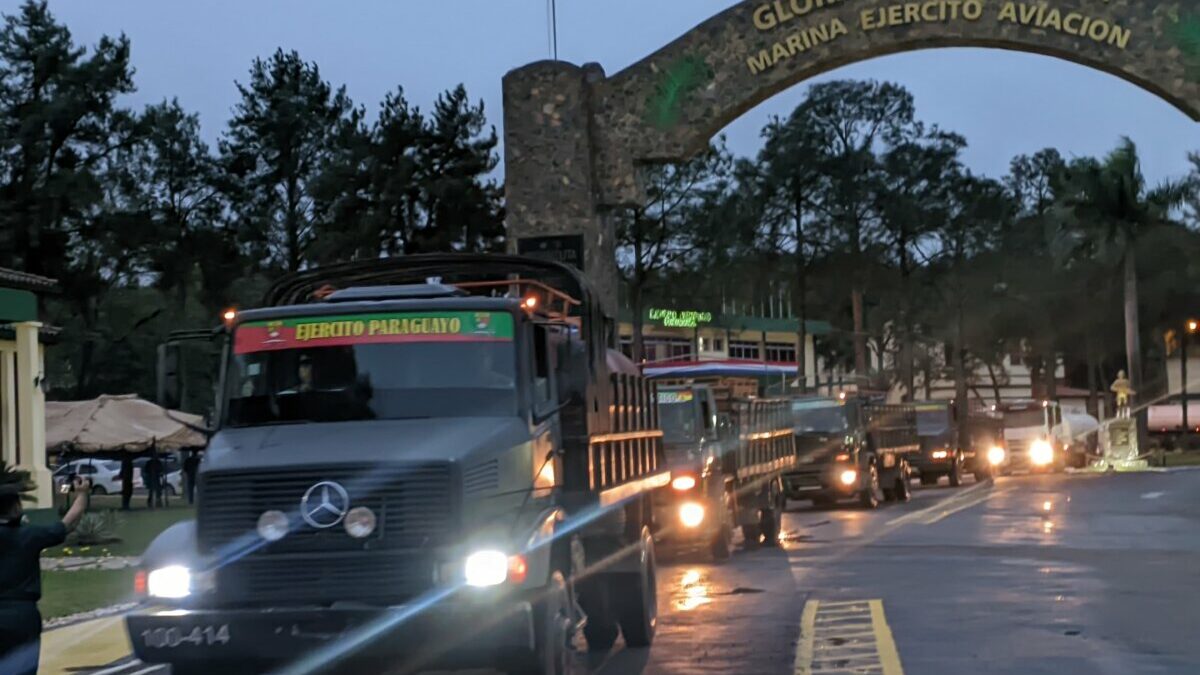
<point x="724" y="425"/>
<point x="170" y="389"/>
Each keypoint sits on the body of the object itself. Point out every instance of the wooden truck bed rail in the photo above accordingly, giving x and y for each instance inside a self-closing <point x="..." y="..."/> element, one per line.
<point x="767" y="443"/>
<point x="633" y="449"/>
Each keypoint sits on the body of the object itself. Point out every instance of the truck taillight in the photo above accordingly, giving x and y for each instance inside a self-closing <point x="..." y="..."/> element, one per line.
<point x="139" y="583"/>
<point x="518" y="569"/>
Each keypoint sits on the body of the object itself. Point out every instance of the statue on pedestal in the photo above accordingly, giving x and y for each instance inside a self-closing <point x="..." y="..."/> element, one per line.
<point x="1124" y="391"/>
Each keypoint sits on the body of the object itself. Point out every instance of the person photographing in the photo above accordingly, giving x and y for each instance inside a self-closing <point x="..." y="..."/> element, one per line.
<point x="21" y="546"/>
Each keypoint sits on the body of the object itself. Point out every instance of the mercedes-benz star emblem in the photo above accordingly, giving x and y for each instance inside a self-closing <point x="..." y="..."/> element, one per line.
<point x="324" y="504"/>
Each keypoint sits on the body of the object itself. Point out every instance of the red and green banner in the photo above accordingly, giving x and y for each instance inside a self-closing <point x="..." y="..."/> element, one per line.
<point x="361" y="329"/>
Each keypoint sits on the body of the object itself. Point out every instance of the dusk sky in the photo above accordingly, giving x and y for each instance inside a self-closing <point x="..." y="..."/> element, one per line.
<point x="1004" y="103"/>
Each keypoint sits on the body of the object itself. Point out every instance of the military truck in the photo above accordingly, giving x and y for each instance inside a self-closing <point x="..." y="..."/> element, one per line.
<point x="424" y="462"/>
<point x="851" y="448"/>
<point x="952" y="446"/>
<point x="726" y="457"/>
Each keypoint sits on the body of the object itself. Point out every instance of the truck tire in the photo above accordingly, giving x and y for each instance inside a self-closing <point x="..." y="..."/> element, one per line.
<point x="601" y="628"/>
<point x="955" y="473"/>
<point x="551" y="655"/>
<point x="771" y="523"/>
<point x="722" y="542"/>
<point x="636" y="599"/>
<point x="752" y="534"/>
<point x="873" y="493"/>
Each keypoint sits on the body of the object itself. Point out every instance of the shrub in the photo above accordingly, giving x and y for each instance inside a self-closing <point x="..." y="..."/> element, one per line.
<point x="95" y="529"/>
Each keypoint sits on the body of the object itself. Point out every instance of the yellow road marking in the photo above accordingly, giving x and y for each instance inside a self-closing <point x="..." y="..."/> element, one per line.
<point x="804" y="649"/>
<point x="839" y="643"/>
<point x="889" y="657"/>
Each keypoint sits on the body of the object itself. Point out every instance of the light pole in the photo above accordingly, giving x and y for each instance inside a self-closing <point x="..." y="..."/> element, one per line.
<point x="1191" y="327"/>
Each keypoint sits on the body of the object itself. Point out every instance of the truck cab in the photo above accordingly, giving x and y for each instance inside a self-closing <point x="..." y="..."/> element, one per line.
<point x="940" y="455"/>
<point x="414" y="472"/>
<point x="1031" y="439"/>
<point x="849" y="448"/>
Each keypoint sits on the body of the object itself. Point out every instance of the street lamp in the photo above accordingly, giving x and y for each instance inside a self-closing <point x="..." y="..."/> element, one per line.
<point x="1191" y="327"/>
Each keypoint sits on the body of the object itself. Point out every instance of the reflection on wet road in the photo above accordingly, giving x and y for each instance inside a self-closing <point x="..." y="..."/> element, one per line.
<point x="1049" y="574"/>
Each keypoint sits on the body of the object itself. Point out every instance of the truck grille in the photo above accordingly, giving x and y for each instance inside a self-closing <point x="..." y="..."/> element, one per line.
<point x="413" y="505"/>
<point x="376" y="578"/>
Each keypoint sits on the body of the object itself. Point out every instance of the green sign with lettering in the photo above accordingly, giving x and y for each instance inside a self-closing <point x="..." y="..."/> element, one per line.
<point x="675" y="318"/>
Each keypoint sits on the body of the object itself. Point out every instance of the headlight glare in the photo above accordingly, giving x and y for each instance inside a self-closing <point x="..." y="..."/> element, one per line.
<point x="359" y="522"/>
<point x="996" y="455"/>
<point x="1041" y="453"/>
<point x="273" y="525"/>
<point x="683" y="483"/>
<point x="849" y="477"/>
<point x="172" y="582"/>
<point x="691" y="514"/>
<point x="486" y="568"/>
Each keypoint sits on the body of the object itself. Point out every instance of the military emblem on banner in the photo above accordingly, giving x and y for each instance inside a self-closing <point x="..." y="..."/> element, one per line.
<point x="483" y="322"/>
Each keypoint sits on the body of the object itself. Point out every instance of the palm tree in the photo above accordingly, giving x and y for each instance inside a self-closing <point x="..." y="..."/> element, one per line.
<point x="1110" y="204"/>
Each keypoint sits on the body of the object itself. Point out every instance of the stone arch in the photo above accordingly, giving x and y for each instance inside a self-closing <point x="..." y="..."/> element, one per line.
<point x="573" y="136"/>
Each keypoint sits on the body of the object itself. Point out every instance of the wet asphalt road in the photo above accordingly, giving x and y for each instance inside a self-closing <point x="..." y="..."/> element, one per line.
<point x="1040" y="574"/>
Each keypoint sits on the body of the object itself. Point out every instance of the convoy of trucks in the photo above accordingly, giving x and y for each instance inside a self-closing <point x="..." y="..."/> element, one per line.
<point x="446" y="473"/>
<point x="441" y="460"/>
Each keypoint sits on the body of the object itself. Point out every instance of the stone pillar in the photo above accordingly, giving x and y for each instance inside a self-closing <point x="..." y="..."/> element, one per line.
<point x="8" y="407"/>
<point x="32" y="411"/>
<point x="549" y="160"/>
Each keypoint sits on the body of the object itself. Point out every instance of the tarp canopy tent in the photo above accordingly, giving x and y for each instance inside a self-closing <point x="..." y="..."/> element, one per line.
<point x="119" y="424"/>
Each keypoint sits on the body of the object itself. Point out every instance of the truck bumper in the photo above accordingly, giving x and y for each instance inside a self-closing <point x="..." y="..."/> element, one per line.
<point x="448" y="634"/>
<point x="926" y="465"/>
<point x="824" y="483"/>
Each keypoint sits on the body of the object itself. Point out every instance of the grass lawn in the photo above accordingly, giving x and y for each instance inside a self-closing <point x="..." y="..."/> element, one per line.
<point x="1191" y="458"/>
<point x="135" y="528"/>
<point x="65" y="593"/>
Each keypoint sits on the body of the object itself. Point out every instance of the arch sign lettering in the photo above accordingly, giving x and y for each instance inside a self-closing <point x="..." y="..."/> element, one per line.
<point x="574" y="135"/>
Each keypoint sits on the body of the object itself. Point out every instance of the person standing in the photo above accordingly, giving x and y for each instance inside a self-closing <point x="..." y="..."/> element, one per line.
<point x="126" y="482"/>
<point x="21" y="547"/>
<point x="152" y="475"/>
<point x="190" y="466"/>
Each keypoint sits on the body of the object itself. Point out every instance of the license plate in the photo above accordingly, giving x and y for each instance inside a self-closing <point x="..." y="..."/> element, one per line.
<point x="198" y="636"/>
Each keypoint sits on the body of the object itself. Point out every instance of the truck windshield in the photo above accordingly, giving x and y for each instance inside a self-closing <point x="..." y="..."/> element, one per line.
<point x="377" y="366"/>
<point x="829" y="419"/>
<point x="933" y="422"/>
<point x="1024" y="418"/>
<point x="677" y="415"/>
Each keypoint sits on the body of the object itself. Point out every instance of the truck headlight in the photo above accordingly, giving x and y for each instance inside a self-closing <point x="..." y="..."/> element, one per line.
<point x="691" y="514"/>
<point x="996" y="455"/>
<point x="940" y="454"/>
<point x="486" y="568"/>
<point x="359" y="522"/>
<point x="172" y="581"/>
<point x="849" y="477"/>
<point x="273" y="525"/>
<point x="1041" y="453"/>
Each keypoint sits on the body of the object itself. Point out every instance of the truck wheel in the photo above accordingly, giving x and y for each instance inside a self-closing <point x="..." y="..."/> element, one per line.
<point x="752" y="534"/>
<point x="873" y="494"/>
<point x="600" y="631"/>
<point x="637" y="599"/>
<point x="99" y="490"/>
<point x="551" y="656"/>
<point x="771" y="524"/>
<point x="955" y="474"/>
<point x="902" y="493"/>
<point x="722" y="542"/>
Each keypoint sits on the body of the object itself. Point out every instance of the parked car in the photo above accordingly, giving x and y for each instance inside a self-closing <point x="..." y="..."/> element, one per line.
<point x="105" y="475"/>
